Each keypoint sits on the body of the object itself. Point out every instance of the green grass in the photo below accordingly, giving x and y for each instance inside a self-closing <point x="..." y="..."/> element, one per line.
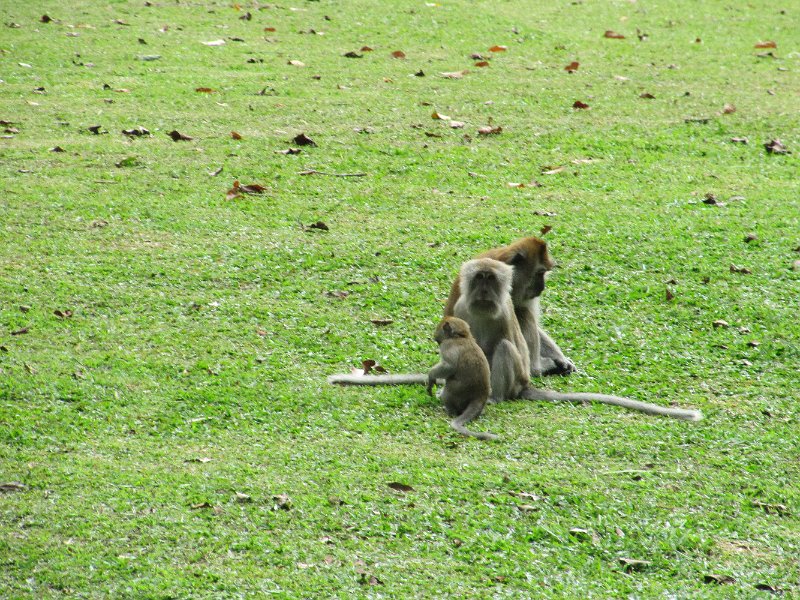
<point x="203" y="328"/>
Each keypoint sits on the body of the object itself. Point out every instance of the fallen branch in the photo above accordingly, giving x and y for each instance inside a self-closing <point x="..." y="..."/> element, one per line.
<point x="315" y="172"/>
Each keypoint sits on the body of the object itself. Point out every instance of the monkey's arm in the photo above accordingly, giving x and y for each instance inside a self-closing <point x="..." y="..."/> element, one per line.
<point x="440" y="371"/>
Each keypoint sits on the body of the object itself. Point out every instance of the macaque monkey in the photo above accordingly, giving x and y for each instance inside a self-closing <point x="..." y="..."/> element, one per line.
<point x="465" y="371"/>
<point x="531" y="263"/>
<point x="485" y="304"/>
<point x="498" y="298"/>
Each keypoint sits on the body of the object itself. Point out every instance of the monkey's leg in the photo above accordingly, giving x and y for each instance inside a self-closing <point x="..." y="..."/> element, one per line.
<point x="553" y="360"/>
<point x="473" y="411"/>
<point x="508" y="377"/>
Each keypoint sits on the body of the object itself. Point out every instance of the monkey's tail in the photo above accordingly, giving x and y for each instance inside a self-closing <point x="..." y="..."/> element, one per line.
<point x="645" y="407"/>
<point x="472" y="411"/>
<point x="349" y="379"/>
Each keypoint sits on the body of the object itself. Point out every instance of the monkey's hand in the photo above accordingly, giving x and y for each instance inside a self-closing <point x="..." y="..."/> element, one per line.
<point x="431" y="383"/>
<point x="556" y="366"/>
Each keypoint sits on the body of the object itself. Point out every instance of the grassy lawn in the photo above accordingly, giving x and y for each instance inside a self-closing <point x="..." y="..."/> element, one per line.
<point x="166" y="430"/>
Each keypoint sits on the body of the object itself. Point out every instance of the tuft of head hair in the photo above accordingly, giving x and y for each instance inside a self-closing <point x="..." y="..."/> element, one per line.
<point x="524" y="250"/>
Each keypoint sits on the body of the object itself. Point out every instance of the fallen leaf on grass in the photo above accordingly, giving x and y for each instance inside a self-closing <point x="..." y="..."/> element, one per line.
<point x="544" y="230"/>
<point x="201" y="505"/>
<point x="718" y="579"/>
<point x="439" y="116"/>
<point x="728" y="109"/>
<point x="400" y="487"/>
<point x="776" y="147"/>
<point x="95" y="129"/>
<point x="647" y="96"/>
<point x="366" y="49"/>
<point x="289" y="151"/>
<point x="57" y="149"/>
<point x="21" y="331"/>
<point x="318" y="225"/>
<point x="398" y="54"/>
<point x="241" y="498"/>
<point x="381" y="322"/>
<point x="740" y="140"/>
<point x="303" y="140"/>
<point x="456" y="124"/>
<point x="199" y="459"/>
<point x="668" y="294"/>
<point x="296" y="63"/>
<point x="482" y="63"/>
<point x="572" y="67"/>
<point x="771" y="509"/>
<point x="179" y="137"/>
<point x="282" y="502"/>
<point x="236" y="135"/>
<point x="12" y="486"/>
<point x="743" y="270"/>
<point x="720" y="324"/>
<point x="215" y="172"/>
<point x="767" y="44"/>
<point x="552" y="170"/>
<point x="498" y="48"/>
<point x="338" y="294"/>
<point x="214" y="43"/>
<point x="136" y="132"/>
<point x="454" y="74"/>
<point x="238" y="189"/>
<point x="580" y="105"/>
<point x="711" y="198"/>
<point x="613" y="35"/>
<point x="630" y="564"/>
<point x="490" y="130"/>
<point x="765" y="587"/>
<point x="205" y="90"/>
<point x="352" y="54"/>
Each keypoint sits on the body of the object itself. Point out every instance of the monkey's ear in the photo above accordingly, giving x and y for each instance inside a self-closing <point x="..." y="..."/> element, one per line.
<point x="448" y="329"/>
<point x="518" y="259"/>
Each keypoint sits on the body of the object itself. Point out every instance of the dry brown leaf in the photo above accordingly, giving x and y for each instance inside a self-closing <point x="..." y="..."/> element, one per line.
<point x="21" y="331"/>
<point x="439" y="116"/>
<point x="366" y="49"/>
<point x="728" y="109"/>
<point x="647" y="96"/>
<point x="205" y="90"/>
<point x="552" y="170"/>
<point x="776" y="147"/>
<point x="720" y="324"/>
<point x="282" y="502"/>
<point x="743" y="270"/>
<point x="296" y="63"/>
<point x="498" y="48"/>
<point x="490" y="130"/>
<point x="482" y="63"/>
<point x="767" y="44"/>
<point x="544" y="230"/>
<point x="454" y="74"/>
<point x="572" y="67"/>
<point x="178" y="137"/>
<point x="630" y="564"/>
<point x="303" y="140"/>
<point x="456" y="124"/>
<point x="580" y="105"/>
<point x="236" y="135"/>
<point x="214" y="43"/>
<point x="718" y="579"/>
<point x="352" y="54"/>
<point x="739" y="140"/>
<point x="400" y="487"/>
<point x="398" y="54"/>
<point x="289" y="151"/>
<point x="319" y="225"/>
<point x="63" y="314"/>
<point x="381" y="322"/>
<point x="613" y="35"/>
<point x="12" y="486"/>
<point x="270" y="29"/>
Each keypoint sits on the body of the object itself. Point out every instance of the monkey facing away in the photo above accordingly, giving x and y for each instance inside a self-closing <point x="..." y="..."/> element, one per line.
<point x="465" y="371"/>
<point x="531" y="263"/>
<point x="485" y="303"/>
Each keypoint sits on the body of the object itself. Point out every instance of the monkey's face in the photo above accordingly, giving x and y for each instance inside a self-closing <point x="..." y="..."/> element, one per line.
<point x="485" y="289"/>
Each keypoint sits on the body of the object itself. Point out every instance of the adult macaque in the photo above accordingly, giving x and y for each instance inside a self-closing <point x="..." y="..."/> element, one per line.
<point x="465" y="371"/>
<point x="485" y="303"/>
<point x="531" y="263"/>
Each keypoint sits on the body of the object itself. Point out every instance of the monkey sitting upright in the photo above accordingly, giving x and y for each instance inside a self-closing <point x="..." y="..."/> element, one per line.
<point x="465" y="371"/>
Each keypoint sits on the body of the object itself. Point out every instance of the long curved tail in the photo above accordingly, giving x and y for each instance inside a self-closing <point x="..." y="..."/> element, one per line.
<point x="472" y="411"/>
<point x="645" y="407"/>
<point x="407" y="379"/>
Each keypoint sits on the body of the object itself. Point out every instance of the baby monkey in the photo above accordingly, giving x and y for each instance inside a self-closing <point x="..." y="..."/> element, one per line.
<point x="465" y="370"/>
